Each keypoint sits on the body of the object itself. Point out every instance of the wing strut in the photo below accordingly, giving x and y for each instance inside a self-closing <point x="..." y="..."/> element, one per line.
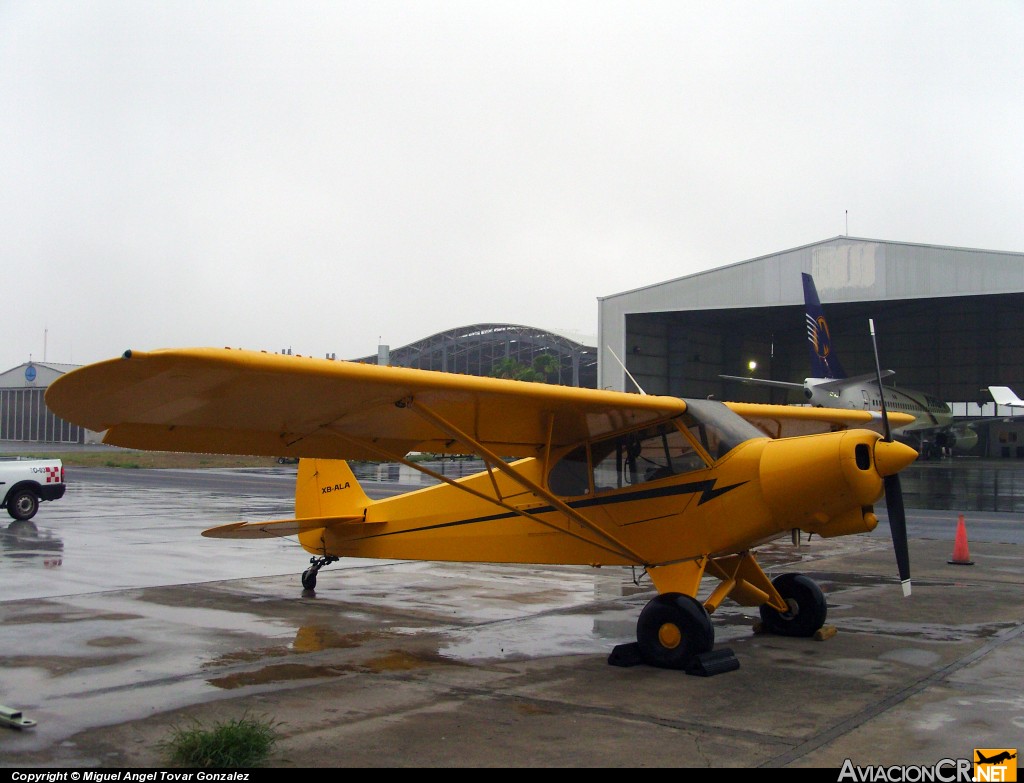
<point x="496" y="461"/>
<point x="621" y="551"/>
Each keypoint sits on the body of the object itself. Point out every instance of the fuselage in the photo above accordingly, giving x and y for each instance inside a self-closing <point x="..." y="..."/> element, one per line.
<point x="707" y="483"/>
<point x="929" y="411"/>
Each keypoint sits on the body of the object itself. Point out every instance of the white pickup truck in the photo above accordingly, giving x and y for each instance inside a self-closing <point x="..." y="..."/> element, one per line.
<point x="24" y="483"/>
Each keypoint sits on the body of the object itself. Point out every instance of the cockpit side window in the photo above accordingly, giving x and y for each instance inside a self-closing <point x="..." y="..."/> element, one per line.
<point x="645" y="455"/>
<point x="626" y="460"/>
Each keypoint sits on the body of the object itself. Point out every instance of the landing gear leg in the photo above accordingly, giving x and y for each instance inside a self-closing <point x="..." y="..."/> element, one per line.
<point x="315" y="564"/>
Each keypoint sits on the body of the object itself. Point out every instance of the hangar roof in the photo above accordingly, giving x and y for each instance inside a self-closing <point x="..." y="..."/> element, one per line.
<point x="845" y="269"/>
<point x="476" y="350"/>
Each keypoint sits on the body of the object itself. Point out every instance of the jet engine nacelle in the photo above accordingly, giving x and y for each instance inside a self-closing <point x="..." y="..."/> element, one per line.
<point x="960" y="439"/>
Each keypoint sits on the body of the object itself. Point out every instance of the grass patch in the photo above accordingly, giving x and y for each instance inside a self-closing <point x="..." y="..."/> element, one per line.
<point x="129" y="458"/>
<point x="241" y="743"/>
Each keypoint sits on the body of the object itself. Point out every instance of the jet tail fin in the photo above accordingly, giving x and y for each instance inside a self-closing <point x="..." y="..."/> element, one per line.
<point x="1004" y="395"/>
<point x="824" y="363"/>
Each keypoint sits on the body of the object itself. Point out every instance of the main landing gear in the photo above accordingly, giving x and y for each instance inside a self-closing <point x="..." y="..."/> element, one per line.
<point x="315" y="564"/>
<point x="674" y="628"/>
<point x="807" y="607"/>
<point x="675" y="631"/>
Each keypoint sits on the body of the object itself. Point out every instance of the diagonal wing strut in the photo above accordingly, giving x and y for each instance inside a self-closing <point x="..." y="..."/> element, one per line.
<point x="494" y="460"/>
<point x="612" y="544"/>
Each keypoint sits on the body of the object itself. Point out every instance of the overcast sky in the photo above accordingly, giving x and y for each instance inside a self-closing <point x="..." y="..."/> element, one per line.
<point x="324" y="176"/>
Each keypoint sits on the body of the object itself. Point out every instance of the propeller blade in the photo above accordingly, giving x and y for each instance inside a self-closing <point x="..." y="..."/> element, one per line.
<point x="893" y="489"/>
<point x="878" y="375"/>
<point x="898" y="528"/>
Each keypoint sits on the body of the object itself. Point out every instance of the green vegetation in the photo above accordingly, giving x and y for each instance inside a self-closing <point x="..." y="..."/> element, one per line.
<point x="128" y="458"/>
<point x="246" y="742"/>
<point x="543" y="369"/>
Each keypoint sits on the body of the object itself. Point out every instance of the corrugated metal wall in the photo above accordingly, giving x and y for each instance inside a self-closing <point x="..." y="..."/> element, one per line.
<point x="25" y="417"/>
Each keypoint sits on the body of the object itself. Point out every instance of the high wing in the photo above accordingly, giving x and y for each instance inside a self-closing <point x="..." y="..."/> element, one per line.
<point x="231" y="401"/>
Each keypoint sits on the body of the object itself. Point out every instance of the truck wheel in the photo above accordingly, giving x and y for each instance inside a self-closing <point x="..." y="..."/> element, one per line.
<point x="22" y="504"/>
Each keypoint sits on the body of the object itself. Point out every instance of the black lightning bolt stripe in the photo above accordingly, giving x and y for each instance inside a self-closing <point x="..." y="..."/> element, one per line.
<point x="706" y="488"/>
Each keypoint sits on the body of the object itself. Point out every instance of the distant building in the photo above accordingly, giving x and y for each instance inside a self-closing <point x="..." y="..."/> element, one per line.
<point x="23" y="412"/>
<point x="950" y="320"/>
<point x="477" y="349"/>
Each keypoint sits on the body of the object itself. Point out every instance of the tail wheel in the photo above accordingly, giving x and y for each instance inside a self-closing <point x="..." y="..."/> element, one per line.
<point x="807" y="607"/>
<point x="672" y="629"/>
<point x="315" y="564"/>
<point x="309" y="579"/>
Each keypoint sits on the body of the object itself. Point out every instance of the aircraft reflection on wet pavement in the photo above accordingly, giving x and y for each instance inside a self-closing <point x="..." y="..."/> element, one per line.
<point x="965" y="485"/>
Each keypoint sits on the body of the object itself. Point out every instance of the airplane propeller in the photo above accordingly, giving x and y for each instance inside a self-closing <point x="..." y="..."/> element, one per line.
<point x="893" y="489"/>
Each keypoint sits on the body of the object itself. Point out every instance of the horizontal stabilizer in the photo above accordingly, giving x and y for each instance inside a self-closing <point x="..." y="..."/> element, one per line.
<point x="763" y="382"/>
<point x="836" y="384"/>
<point x="278" y="527"/>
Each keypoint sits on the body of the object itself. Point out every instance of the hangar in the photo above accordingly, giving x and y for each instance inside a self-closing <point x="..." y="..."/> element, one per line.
<point x="479" y="348"/>
<point x="23" y="412"/>
<point x="948" y="320"/>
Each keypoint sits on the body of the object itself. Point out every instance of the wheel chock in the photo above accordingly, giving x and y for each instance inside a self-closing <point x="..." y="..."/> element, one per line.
<point x="714" y="662"/>
<point x="703" y="665"/>
<point x="626" y="655"/>
<point x="13" y="719"/>
<point x="825" y="632"/>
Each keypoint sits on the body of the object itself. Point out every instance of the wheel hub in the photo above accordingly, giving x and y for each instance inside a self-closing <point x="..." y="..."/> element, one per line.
<point x="670" y="636"/>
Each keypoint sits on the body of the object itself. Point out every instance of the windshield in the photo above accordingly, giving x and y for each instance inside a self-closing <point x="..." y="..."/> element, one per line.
<point x="717" y="428"/>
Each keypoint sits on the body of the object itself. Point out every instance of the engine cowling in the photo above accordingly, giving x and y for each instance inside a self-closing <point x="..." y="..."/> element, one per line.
<point x="960" y="439"/>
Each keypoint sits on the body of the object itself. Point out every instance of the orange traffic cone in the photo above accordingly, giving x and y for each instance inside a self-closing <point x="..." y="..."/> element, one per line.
<point x="960" y="554"/>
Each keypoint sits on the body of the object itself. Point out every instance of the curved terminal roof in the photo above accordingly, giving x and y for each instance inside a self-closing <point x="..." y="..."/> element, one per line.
<point x="476" y="349"/>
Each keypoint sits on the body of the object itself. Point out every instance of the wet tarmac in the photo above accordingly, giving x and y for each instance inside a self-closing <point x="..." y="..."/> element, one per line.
<point x="120" y="622"/>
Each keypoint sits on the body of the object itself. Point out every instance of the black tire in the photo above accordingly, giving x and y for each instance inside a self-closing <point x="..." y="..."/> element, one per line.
<point x="309" y="579"/>
<point x="22" y="504"/>
<point x="807" y="607"/>
<point x="672" y="629"/>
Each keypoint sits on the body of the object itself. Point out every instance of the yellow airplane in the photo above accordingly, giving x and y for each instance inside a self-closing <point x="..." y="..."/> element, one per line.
<point x="682" y="488"/>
